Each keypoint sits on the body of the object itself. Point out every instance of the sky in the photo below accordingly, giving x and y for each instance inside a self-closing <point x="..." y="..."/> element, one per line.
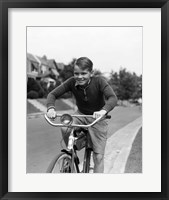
<point x="109" y="48"/>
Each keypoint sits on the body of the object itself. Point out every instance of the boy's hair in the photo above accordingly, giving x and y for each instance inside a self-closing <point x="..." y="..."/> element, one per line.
<point x="84" y="63"/>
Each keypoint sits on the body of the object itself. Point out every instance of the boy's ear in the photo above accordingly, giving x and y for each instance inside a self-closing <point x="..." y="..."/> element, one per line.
<point x="92" y="73"/>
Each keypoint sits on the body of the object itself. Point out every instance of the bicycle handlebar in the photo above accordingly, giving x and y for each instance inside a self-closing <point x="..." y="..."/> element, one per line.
<point x="76" y="125"/>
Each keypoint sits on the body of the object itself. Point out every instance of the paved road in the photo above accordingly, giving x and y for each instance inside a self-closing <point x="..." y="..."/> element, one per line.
<point x="44" y="141"/>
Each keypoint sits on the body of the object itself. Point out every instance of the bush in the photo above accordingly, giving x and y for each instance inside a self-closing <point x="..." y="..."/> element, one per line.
<point x="32" y="95"/>
<point x="34" y="85"/>
<point x="44" y="87"/>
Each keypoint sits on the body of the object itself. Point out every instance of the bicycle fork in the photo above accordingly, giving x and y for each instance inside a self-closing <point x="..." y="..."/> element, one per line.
<point x="87" y="157"/>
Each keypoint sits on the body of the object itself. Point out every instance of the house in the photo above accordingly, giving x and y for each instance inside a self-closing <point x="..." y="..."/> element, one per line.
<point x="47" y="67"/>
<point x="32" y="66"/>
<point x="40" y="66"/>
<point x="60" y="67"/>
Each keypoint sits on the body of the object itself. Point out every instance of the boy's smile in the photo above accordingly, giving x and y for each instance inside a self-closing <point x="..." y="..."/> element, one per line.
<point x="81" y="76"/>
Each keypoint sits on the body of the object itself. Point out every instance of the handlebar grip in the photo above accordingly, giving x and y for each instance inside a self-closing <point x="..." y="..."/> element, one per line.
<point x="108" y="116"/>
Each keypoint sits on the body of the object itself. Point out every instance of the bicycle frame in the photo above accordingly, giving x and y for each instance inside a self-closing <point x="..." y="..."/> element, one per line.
<point x="74" y="158"/>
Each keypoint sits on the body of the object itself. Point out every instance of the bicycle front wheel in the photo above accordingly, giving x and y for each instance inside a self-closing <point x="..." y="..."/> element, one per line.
<point x="61" y="164"/>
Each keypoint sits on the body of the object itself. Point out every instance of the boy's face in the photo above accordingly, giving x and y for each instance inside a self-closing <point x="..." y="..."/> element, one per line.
<point x="81" y="76"/>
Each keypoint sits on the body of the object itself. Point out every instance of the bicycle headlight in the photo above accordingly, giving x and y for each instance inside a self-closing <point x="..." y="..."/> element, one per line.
<point x="66" y="119"/>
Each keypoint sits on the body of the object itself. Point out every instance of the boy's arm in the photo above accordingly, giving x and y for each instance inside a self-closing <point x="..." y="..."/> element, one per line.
<point x="57" y="92"/>
<point x="111" y="98"/>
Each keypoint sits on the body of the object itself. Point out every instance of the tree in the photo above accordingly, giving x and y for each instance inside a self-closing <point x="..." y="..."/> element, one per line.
<point x="126" y="85"/>
<point x="97" y="72"/>
<point x="67" y="72"/>
<point x="138" y="92"/>
<point x="114" y="82"/>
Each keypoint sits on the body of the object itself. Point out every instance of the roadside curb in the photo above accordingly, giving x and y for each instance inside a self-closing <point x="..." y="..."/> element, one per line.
<point x="118" y="147"/>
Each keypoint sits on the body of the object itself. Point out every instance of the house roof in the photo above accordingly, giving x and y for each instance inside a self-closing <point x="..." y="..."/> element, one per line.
<point x="31" y="57"/>
<point x="47" y="62"/>
<point x="42" y="60"/>
<point x="51" y="63"/>
<point x="55" y="72"/>
<point x="60" y="66"/>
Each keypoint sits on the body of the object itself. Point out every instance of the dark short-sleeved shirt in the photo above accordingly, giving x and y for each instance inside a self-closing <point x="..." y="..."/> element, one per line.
<point x="97" y="95"/>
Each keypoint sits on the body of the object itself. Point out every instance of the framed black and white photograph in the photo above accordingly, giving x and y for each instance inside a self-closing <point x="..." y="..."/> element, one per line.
<point x="84" y="99"/>
<point x="113" y="51"/>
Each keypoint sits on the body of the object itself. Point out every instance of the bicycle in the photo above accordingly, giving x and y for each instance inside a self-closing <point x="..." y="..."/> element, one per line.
<point x="67" y="161"/>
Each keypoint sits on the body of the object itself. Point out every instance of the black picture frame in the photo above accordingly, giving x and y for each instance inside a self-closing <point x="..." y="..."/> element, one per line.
<point x="4" y="5"/>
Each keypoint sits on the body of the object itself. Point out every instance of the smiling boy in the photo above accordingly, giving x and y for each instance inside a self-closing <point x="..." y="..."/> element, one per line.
<point x="90" y="93"/>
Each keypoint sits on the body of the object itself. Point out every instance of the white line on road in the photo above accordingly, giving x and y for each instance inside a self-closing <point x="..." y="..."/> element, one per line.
<point x="37" y="105"/>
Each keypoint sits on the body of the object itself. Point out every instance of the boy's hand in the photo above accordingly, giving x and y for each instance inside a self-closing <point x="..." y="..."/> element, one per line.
<point x="51" y="113"/>
<point x="99" y="114"/>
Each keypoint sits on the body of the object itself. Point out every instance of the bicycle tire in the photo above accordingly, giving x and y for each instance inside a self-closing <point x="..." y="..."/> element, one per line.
<point x="56" y="166"/>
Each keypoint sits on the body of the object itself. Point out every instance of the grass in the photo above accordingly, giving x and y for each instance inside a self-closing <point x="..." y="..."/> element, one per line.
<point x="134" y="161"/>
